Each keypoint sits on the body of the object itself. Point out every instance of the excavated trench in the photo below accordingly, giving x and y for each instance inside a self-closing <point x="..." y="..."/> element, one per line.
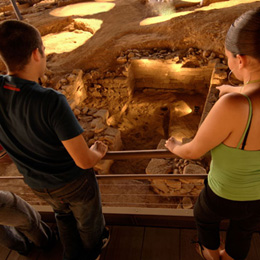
<point x="151" y="95"/>
<point x="165" y="100"/>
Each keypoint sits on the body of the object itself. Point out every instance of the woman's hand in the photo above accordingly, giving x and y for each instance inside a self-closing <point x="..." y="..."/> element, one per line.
<point x="224" y="89"/>
<point x="171" y="143"/>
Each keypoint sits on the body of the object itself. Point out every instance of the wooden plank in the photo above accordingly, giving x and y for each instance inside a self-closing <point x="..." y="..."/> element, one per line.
<point x="56" y="253"/>
<point x="187" y="251"/>
<point x="125" y="244"/>
<point x="254" y="252"/>
<point x="161" y="243"/>
<point x="4" y="252"/>
<point x="104" y="251"/>
<point x="15" y="256"/>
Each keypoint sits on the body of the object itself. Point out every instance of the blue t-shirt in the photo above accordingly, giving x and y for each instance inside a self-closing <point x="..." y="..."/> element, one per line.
<point x="33" y="122"/>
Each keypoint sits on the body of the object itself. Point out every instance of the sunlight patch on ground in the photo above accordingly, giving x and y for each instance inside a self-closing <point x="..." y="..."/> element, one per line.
<point x="161" y="18"/>
<point x="82" y="9"/>
<point x="89" y="25"/>
<point x="182" y="108"/>
<point x="65" y="41"/>
<point x="219" y="5"/>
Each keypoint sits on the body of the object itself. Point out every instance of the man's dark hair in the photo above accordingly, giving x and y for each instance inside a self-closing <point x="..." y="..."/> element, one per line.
<point x="17" y="42"/>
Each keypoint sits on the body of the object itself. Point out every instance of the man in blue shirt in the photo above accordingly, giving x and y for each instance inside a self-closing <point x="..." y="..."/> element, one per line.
<point x="40" y="133"/>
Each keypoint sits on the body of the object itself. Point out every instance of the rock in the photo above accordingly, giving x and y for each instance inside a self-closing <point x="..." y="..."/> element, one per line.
<point x="98" y="125"/>
<point x="191" y="64"/>
<point x="97" y="94"/>
<point x="92" y="111"/>
<point x="187" y="203"/>
<point x="85" y="110"/>
<point x="121" y="60"/>
<point x="158" y="166"/>
<point x="221" y="66"/>
<point x="76" y="112"/>
<point x="103" y="166"/>
<point x="174" y="184"/>
<point x="103" y="114"/>
<point x="71" y="78"/>
<point x="113" y="136"/>
<point x="220" y="74"/>
<point x="186" y="188"/>
<point x="161" y="144"/>
<point x="206" y="53"/>
<point x="212" y="63"/>
<point x="131" y="55"/>
<point x="161" y="187"/>
<point x="194" y="169"/>
<point x="113" y="120"/>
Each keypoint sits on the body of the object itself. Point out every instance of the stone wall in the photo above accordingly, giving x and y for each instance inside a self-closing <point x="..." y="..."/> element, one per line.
<point x="93" y="120"/>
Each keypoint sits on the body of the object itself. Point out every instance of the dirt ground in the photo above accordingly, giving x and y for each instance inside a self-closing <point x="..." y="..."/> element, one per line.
<point x="92" y="35"/>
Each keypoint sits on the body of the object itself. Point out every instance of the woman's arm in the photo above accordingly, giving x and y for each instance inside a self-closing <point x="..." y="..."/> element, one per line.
<point x="225" y="89"/>
<point x="216" y="128"/>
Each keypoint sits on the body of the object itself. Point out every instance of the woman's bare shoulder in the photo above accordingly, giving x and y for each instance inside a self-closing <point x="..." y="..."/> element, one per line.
<point x="232" y="99"/>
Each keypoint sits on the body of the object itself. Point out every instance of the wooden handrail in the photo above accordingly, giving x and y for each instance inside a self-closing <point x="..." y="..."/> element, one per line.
<point x="151" y="176"/>
<point x="138" y="154"/>
<point x="132" y="176"/>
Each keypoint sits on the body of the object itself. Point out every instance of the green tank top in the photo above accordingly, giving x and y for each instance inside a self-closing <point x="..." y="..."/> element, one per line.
<point x="234" y="173"/>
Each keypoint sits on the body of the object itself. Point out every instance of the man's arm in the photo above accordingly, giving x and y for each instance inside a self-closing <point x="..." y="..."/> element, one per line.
<point x="83" y="156"/>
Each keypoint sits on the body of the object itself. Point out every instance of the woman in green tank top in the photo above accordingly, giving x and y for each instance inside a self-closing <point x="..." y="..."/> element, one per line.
<point x="231" y="131"/>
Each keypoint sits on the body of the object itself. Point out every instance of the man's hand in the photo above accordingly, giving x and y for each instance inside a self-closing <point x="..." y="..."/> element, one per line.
<point x="99" y="147"/>
<point x="83" y="156"/>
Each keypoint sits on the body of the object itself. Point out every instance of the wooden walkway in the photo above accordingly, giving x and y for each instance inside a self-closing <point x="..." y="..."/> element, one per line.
<point x="139" y="243"/>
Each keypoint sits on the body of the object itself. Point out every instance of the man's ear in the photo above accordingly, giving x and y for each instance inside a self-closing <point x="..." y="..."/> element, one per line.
<point x="36" y="54"/>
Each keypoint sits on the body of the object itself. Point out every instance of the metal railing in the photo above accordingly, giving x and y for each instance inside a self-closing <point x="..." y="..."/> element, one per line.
<point x="136" y="154"/>
<point x="16" y="10"/>
<point x="129" y="193"/>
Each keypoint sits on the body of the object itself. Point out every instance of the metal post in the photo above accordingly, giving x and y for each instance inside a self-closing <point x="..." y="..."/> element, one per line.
<point x="16" y="10"/>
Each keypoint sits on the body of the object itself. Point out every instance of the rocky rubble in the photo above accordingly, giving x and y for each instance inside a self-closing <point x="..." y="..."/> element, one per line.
<point x="187" y="189"/>
<point x="189" y="58"/>
<point x="109" y="94"/>
<point x="92" y="120"/>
